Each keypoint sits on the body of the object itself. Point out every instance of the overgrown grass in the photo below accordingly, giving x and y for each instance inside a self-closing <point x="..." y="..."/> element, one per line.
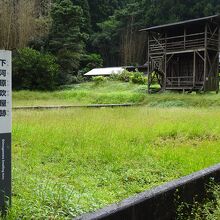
<point x="113" y="92"/>
<point x="68" y="162"/>
<point x="85" y="93"/>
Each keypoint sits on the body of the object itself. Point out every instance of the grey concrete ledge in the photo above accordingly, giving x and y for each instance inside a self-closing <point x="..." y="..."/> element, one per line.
<point x="161" y="202"/>
<point x="73" y="106"/>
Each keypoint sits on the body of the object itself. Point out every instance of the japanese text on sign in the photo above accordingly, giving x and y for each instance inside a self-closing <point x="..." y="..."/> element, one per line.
<point x="5" y="91"/>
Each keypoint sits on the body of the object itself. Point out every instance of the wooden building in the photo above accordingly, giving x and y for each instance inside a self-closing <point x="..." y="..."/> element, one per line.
<point x="184" y="55"/>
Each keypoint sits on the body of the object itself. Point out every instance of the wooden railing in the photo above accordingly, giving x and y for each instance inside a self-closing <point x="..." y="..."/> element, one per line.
<point x="179" y="81"/>
<point x="212" y="41"/>
<point x="182" y="42"/>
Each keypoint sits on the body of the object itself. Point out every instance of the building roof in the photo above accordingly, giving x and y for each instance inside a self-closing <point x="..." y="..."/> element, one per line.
<point x="105" y="71"/>
<point x="215" y="18"/>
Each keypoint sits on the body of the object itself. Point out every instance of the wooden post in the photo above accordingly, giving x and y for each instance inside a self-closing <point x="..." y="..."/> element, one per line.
<point x="148" y="58"/>
<point x="217" y="81"/>
<point x="194" y="68"/>
<point x="165" y="64"/>
<point x="205" y="56"/>
<point x="184" y="38"/>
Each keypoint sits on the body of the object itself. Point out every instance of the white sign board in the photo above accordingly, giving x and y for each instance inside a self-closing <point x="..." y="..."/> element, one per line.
<point x="5" y="92"/>
<point x="5" y="128"/>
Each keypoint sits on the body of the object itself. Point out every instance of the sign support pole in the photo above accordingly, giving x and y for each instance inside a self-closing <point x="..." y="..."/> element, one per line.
<point x="5" y="128"/>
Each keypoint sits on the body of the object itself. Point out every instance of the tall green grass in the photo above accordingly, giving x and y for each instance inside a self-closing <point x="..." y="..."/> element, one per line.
<point x="113" y="92"/>
<point x="85" y="93"/>
<point x="68" y="162"/>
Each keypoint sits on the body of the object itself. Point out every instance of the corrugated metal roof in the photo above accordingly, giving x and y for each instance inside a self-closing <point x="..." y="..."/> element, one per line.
<point x="105" y="71"/>
<point x="211" y="18"/>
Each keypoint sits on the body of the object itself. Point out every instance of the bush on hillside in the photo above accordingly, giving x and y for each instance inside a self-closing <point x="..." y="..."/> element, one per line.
<point x="99" y="79"/>
<point x="77" y="79"/>
<point x="125" y="76"/>
<point x="138" y="78"/>
<point x="113" y="77"/>
<point x="34" y="70"/>
<point x="134" y="77"/>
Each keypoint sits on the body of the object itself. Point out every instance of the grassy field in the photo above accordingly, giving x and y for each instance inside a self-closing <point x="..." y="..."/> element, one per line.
<point x="68" y="162"/>
<point x="85" y="93"/>
<point x="113" y="93"/>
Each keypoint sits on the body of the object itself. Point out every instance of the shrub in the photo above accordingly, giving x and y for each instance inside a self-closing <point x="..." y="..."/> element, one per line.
<point x="34" y="70"/>
<point x="138" y="78"/>
<point x="125" y="76"/>
<point x="114" y="77"/>
<point x="134" y="77"/>
<point x="77" y="79"/>
<point x="99" y="79"/>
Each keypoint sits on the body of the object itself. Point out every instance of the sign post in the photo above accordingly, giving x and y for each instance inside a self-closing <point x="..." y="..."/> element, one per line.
<point x="5" y="128"/>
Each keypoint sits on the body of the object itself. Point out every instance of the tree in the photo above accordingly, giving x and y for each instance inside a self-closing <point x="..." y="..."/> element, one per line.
<point x="78" y="29"/>
<point x="118" y="40"/>
<point x="100" y="10"/>
<point x="117" y="37"/>
<point x="34" y="70"/>
<point x="20" y="23"/>
<point x="66" y="39"/>
<point x="107" y="42"/>
<point x="86" y="26"/>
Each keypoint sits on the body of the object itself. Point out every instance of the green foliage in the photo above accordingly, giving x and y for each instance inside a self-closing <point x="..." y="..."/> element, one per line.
<point x="207" y="209"/>
<point x="100" y="10"/>
<point x="114" y="92"/>
<point x="134" y="15"/>
<point x="89" y="62"/>
<point x="107" y="41"/>
<point x="86" y="17"/>
<point x="34" y="70"/>
<point x="138" y="78"/>
<point x="66" y="38"/>
<point x="84" y="93"/>
<point x="125" y="76"/>
<point x="76" y="79"/>
<point x="66" y="28"/>
<point x="168" y="104"/>
<point x="134" y="77"/>
<point x="99" y="79"/>
<point x="88" y="34"/>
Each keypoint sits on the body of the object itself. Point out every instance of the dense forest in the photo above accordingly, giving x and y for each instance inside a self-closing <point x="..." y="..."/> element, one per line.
<point x="55" y="41"/>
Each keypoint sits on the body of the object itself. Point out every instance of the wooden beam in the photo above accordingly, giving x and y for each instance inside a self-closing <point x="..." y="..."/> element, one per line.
<point x="209" y="29"/>
<point x="168" y="60"/>
<point x="217" y="66"/>
<point x="148" y="60"/>
<point x="184" y="37"/>
<point x="200" y="55"/>
<point x="184" y="51"/>
<point x="165" y="64"/>
<point x="205" y="55"/>
<point x="158" y="42"/>
<point x="194" y="68"/>
<point x="216" y="29"/>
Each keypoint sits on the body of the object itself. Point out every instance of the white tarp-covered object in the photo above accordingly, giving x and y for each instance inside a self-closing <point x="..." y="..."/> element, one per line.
<point x="105" y="71"/>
